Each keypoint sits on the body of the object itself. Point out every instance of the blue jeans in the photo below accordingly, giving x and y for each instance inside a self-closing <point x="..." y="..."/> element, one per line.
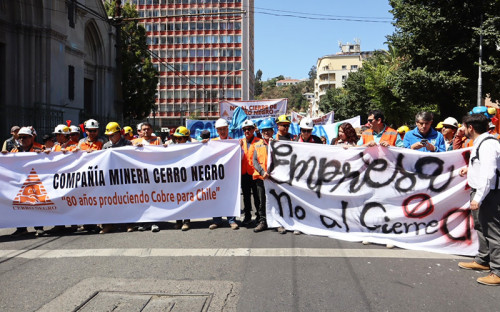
<point x="218" y="220"/>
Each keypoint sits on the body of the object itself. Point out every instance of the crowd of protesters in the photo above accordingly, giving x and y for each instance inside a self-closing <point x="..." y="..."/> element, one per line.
<point x="446" y="136"/>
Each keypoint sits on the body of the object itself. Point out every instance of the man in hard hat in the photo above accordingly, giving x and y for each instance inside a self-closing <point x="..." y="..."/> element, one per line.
<point x="113" y="132"/>
<point x="306" y="127"/>
<point x="379" y="133"/>
<point x="128" y="133"/>
<point x="92" y="142"/>
<point x="222" y="128"/>
<point x="74" y="133"/>
<point x="182" y="135"/>
<point x="448" y="130"/>
<point x="63" y="141"/>
<point x="402" y="131"/>
<point x="248" y="185"/>
<point x="284" y="123"/>
<point x="266" y="127"/>
<point x="26" y="144"/>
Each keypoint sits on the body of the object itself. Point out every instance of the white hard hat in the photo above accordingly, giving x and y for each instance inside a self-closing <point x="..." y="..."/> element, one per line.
<point x="91" y="124"/>
<point x="306" y="123"/>
<point x="61" y="129"/>
<point x="25" y="130"/>
<point x="33" y="131"/>
<point x="74" y="129"/>
<point x="450" y="121"/>
<point x="247" y="123"/>
<point x="221" y="122"/>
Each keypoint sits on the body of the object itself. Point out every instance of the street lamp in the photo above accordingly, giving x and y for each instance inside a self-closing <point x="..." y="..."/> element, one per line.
<point x="224" y="82"/>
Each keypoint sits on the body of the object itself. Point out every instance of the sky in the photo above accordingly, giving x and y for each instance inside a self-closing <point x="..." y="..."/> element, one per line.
<point x="290" y="46"/>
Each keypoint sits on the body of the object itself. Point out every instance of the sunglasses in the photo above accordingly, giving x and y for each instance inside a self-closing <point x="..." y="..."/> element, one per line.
<point x="23" y="137"/>
<point x="285" y="125"/>
<point x="92" y="130"/>
<point x="306" y="130"/>
<point x="248" y="129"/>
<point x="370" y="120"/>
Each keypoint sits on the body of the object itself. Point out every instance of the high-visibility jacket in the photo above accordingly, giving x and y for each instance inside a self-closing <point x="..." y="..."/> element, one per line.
<point x="85" y="144"/>
<point x="32" y="149"/>
<point x="260" y="156"/>
<point x="218" y="138"/>
<point x="143" y="141"/>
<point x="467" y="142"/>
<point x="247" y="159"/>
<point x="390" y="136"/>
<point x="69" y="146"/>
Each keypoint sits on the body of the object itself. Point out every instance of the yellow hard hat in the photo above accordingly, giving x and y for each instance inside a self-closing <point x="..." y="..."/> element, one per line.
<point x="403" y="129"/>
<point x="439" y="126"/>
<point x="112" y="127"/>
<point x="492" y="111"/>
<point x="283" y="118"/>
<point x="181" y="132"/>
<point x="128" y="130"/>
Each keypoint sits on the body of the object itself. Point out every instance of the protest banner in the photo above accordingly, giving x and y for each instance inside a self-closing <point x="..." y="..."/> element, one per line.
<point x="129" y="184"/>
<point x="397" y="196"/>
<point x="322" y="120"/>
<point x="254" y="109"/>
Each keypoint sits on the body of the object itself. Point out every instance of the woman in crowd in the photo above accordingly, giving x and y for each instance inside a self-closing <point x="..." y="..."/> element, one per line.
<point x="347" y="136"/>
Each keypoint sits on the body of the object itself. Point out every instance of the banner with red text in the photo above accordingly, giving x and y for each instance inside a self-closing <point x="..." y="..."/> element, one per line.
<point x="254" y="109"/>
<point x="322" y="120"/>
<point x="397" y="196"/>
<point x="129" y="184"/>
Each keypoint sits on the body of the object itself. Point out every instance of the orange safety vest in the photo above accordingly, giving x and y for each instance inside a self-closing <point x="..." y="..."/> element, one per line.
<point x="69" y="146"/>
<point x="467" y="142"/>
<point x="85" y="145"/>
<point x="153" y="141"/>
<point x="247" y="159"/>
<point x="390" y="136"/>
<point x="32" y="149"/>
<point x="261" y="150"/>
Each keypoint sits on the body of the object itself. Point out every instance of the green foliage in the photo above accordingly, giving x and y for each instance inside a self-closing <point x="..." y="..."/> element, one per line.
<point x="258" y="83"/>
<point x="294" y="93"/>
<point x="139" y="77"/>
<point x="438" y="46"/>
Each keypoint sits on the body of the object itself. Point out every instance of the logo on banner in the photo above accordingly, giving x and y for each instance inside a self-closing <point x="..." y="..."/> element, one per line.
<point x="32" y="195"/>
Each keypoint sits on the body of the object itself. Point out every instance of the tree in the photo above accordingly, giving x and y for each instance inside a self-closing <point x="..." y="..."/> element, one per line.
<point x="312" y="76"/>
<point x="258" y="83"/>
<point x="438" y="45"/>
<point x="139" y="77"/>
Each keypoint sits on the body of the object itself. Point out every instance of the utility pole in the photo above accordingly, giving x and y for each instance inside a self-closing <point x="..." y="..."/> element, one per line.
<point x="118" y="77"/>
<point x="479" y="77"/>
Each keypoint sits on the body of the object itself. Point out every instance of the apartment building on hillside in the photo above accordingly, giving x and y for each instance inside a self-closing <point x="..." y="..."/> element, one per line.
<point x="204" y="52"/>
<point x="332" y="70"/>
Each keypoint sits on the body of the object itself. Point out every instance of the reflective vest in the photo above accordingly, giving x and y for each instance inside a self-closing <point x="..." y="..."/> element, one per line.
<point x="261" y="150"/>
<point x="390" y="136"/>
<point x="86" y="144"/>
<point x="143" y="141"/>
<point x="32" y="149"/>
<point x="467" y="142"/>
<point x="69" y="146"/>
<point x="247" y="159"/>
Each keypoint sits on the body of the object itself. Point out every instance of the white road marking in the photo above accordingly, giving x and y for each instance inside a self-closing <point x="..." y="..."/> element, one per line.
<point x="224" y="252"/>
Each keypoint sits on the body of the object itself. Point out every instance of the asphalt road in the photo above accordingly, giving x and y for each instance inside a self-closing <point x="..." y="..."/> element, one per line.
<point x="226" y="270"/>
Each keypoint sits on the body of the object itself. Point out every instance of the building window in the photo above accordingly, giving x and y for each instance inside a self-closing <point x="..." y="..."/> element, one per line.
<point x="71" y="82"/>
<point x="354" y="67"/>
<point x="344" y="67"/>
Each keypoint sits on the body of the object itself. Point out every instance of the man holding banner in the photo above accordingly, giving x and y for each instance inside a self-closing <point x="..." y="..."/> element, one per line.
<point x="283" y="127"/>
<point x="248" y="185"/>
<point x="379" y="132"/>
<point x="483" y="176"/>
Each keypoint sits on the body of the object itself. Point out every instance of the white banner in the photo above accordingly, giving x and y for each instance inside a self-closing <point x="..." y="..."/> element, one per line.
<point x="322" y="120"/>
<point x="128" y="184"/>
<point x="254" y="109"/>
<point x="411" y="199"/>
